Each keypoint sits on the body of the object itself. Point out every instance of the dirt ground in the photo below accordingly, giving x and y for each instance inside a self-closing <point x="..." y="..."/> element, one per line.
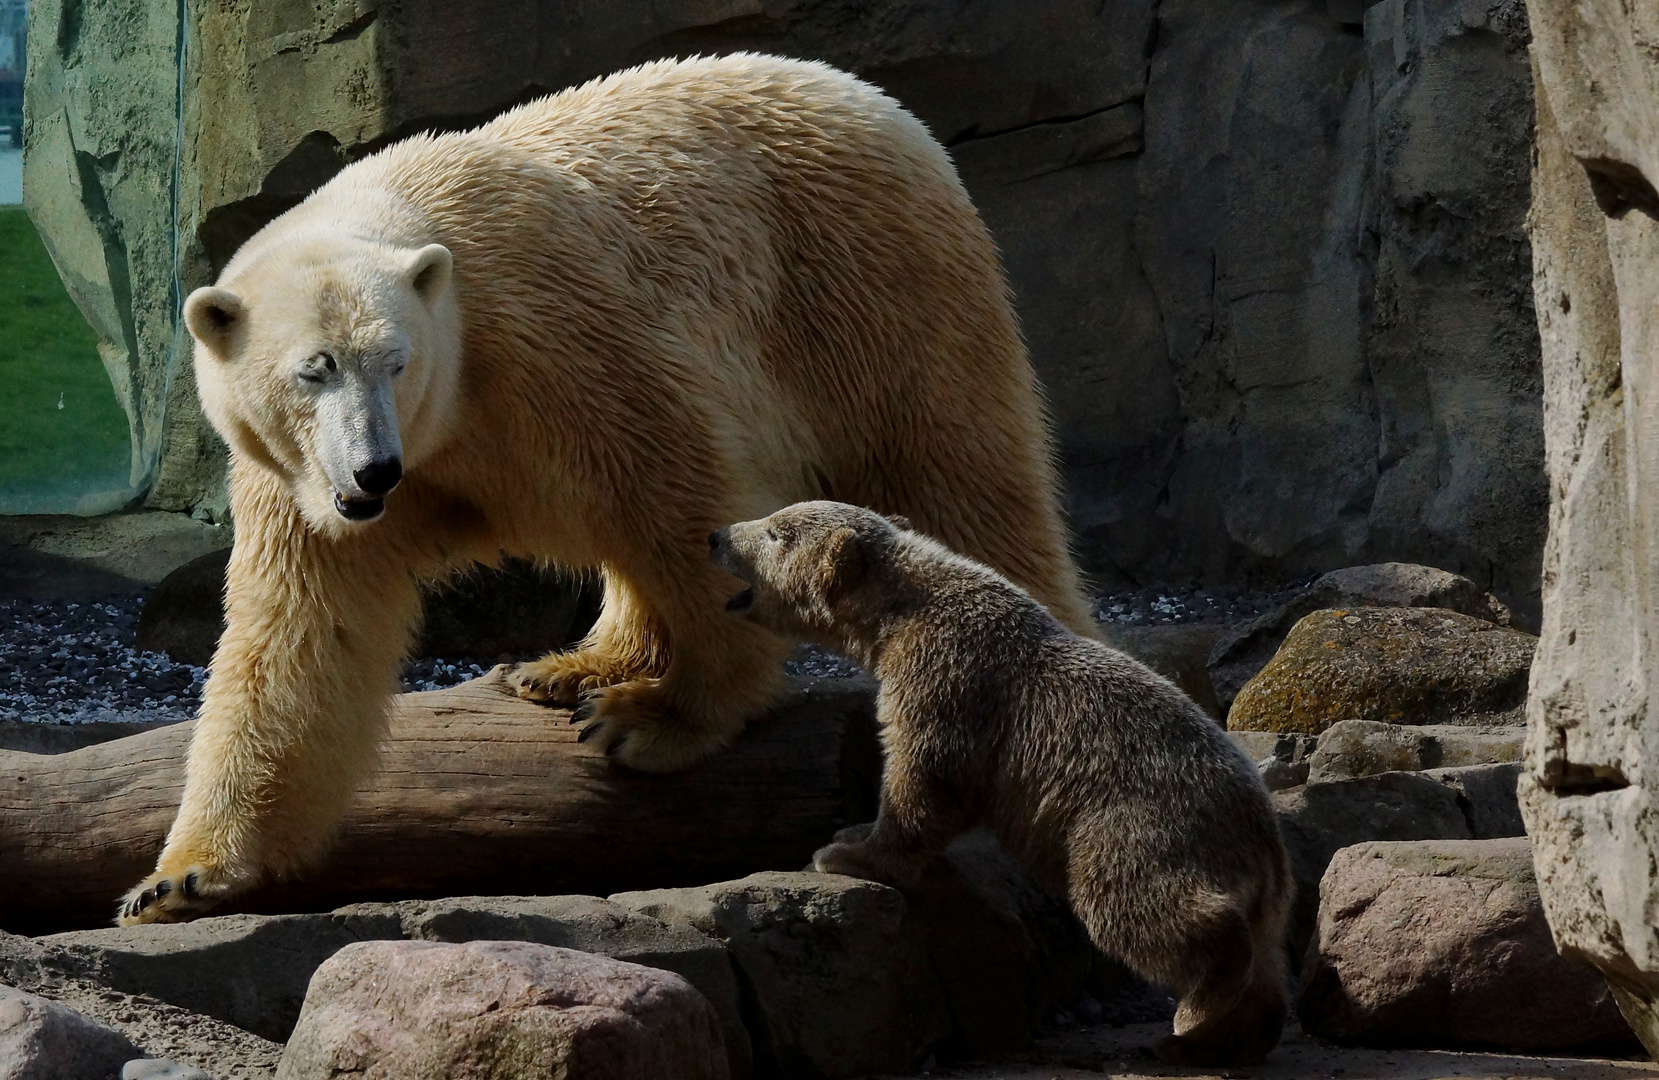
<point x="1124" y="1053"/>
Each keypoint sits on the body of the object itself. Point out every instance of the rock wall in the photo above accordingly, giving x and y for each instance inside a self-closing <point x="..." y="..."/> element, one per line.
<point x="1587" y="795"/>
<point x="1268" y="253"/>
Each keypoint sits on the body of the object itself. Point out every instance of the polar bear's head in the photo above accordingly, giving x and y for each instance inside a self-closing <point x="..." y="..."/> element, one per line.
<point x="332" y="360"/>
<point x="823" y="571"/>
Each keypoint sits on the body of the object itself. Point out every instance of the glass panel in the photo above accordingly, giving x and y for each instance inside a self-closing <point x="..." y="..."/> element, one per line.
<point x="65" y="442"/>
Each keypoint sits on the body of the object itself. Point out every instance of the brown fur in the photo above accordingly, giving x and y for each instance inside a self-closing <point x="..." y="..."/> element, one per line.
<point x="1114" y="788"/>
<point x="688" y="293"/>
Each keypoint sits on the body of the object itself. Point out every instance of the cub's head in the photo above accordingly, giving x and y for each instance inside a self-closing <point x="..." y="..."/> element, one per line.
<point x="818" y="570"/>
<point x="332" y="360"/>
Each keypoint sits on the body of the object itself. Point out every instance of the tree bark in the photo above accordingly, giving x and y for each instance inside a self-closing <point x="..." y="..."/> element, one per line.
<point x="477" y="792"/>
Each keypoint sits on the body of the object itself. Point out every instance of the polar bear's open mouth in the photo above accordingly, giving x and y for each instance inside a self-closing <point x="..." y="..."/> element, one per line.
<point x="358" y="509"/>
<point x="742" y="601"/>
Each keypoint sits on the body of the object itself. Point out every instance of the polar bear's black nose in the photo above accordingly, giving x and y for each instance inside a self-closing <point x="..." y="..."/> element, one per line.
<point x="378" y="477"/>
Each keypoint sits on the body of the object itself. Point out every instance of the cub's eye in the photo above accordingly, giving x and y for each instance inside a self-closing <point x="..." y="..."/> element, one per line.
<point x="772" y="535"/>
<point x="318" y="368"/>
<point x="399" y="367"/>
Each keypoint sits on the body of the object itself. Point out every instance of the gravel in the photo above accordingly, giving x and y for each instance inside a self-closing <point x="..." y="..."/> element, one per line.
<point x="74" y="662"/>
<point x="1167" y="605"/>
<point x="68" y="662"/>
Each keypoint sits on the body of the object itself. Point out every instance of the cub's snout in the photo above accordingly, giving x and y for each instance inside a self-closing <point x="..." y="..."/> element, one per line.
<point x="723" y="549"/>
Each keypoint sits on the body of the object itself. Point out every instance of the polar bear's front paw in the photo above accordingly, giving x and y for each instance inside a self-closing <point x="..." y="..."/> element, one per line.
<point x="636" y="727"/>
<point x="173" y="897"/>
<point x="564" y="678"/>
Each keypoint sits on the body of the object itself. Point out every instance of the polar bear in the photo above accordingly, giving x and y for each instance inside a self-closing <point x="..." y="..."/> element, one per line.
<point x="587" y="332"/>
<point x="1109" y="783"/>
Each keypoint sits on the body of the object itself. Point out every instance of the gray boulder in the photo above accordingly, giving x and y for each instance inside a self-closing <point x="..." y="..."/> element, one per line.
<point x="592" y="925"/>
<point x="1243" y="651"/>
<point x="835" y="982"/>
<point x="1486" y="795"/>
<point x="413" y="1010"/>
<point x="1351" y="748"/>
<point x="248" y="970"/>
<point x="154" y="1027"/>
<point x="1444" y="943"/>
<point x="43" y="1040"/>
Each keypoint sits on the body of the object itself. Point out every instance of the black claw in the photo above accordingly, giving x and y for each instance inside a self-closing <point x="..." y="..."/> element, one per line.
<point x="584" y="709"/>
<point x="188" y="885"/>
<point x="145" y="899"/>
<point x="590" y="731"/>
<point x="163" y="888"/>
<point x="610" y="751"/>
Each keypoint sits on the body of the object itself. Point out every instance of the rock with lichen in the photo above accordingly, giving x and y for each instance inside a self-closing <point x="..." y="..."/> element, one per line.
<point x="1393" y="665"/>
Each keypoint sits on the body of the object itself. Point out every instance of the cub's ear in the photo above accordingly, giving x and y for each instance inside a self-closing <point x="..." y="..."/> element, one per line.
<point x="212" y="314"/>
<point x="429" y="271"/>
<point x="899" y="521"/>
<point x="843" y="565"/>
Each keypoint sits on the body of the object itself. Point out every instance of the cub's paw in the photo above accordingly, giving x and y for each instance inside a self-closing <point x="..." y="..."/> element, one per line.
<point x="177" y="896"/>
<point x="636" y="727"/>
<point x="563" y="678"/>
<point x="847" y="859"/>
<point x="853" y="856"/>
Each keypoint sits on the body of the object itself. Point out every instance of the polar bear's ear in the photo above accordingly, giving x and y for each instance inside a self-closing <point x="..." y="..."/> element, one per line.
<point x="212" y="314"/>
<point x="429" y="271"/>
<point x="899" y="521"/>
<point x="843" y="564"/>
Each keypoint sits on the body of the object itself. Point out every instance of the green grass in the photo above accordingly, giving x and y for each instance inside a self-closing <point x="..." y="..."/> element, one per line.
<point x="61" y="430"/>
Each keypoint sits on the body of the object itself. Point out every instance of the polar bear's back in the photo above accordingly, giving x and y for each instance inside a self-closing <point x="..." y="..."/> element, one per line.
<point x="765" y="259"/>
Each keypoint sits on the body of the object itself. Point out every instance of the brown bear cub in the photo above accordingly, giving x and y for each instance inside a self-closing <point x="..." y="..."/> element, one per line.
<point x="1108" y="782"/>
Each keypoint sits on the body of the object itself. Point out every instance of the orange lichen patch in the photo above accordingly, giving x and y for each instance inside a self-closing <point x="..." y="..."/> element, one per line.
<point x="1397" y="665"/>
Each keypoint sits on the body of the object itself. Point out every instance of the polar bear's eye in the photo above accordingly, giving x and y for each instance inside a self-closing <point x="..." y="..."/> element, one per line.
<point x="772" y="535"/>
<point x="318" y="368"/>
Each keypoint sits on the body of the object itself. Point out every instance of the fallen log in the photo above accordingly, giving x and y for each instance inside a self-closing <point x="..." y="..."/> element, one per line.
<point x="477" y="792"/>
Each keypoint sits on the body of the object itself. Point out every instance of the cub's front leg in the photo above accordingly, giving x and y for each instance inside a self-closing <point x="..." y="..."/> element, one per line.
<point x="291" y="715"/>
<point x="917" y="818"/>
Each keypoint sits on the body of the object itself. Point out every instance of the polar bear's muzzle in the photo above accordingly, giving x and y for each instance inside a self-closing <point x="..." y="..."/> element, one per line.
<point x="358" y="509"/>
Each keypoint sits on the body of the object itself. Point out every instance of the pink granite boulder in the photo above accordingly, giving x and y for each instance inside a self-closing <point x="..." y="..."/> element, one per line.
<point x="499" y="1010"/>
<point x="1439" y="943"/>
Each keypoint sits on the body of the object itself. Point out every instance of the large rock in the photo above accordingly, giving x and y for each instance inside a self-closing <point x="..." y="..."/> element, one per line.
<point x="1591" y="789"/>
<point x="835" y="982"/>
<point x="248" y="970"/>
<point x="1244" y="650"/>
<point x="1395" y="665"/>
<point x="589" y="924"/>
<point x="418" y="1010"/>
<point x="1351" y="748"/>
<point x="43" y="1040"/>
<point x="1319" y="820"/>
<point x="1234" y="230"/>
<point x="1444" y="943"/>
